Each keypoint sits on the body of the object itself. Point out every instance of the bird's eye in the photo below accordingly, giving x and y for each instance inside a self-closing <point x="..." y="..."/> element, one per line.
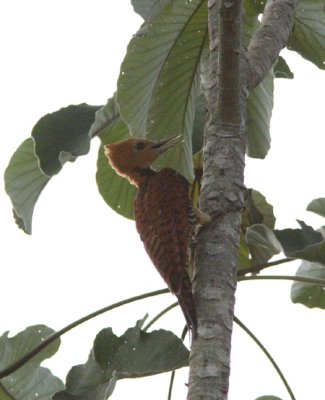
<point x="140" y="145"/>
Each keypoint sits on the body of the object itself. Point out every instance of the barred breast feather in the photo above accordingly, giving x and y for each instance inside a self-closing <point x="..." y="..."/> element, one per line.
<point x="164" y="219"/>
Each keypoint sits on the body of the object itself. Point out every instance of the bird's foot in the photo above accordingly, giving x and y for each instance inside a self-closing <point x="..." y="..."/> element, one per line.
<point x="203" y="218"/>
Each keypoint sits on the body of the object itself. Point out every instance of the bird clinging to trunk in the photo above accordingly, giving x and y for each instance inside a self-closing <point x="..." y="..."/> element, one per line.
<point x="164" y="215"/>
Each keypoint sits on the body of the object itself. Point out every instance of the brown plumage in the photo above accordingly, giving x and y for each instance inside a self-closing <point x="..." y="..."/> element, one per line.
<point x="165" y="218"/>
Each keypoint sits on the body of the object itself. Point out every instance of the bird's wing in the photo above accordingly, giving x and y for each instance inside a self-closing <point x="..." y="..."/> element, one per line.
<point x="163" y="218"/>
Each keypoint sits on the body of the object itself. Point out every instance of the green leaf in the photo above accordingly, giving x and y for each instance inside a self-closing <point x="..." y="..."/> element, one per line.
<point x="101" y="392"/>
<point x="262" y="244"/>
<point x="117" y="192"/>
<point x="204" y="66"/>
<point x="105" y="116"/>
<point x="138" y="353"/>
<point x="257" y="210"/>
<point x="58" y="137"/>
<point x="251" y="19"/>
<point x="4" y="395"/>
<point x="256" y="6"/>
<point x="309" y="294"/>
<point x="149" y="9"/>
<point x="244" y="261"/>
<point x="134" y="354"/>
<point x="24" y="182"/>
<point x="158" y="84"/>
<point x="282" y="70"/>
<point x="268" y="398"/>
<point x="313" y="253"/>
<point x="63" y="136"/>
<point x="293" y="240"/>
<point x="305" y="243"/>
<point x="31" y="381"/>
<point x="201" y="109"/>
<point x="317" y="206"/>
<point x="259" y="111"/>
<point x="308" y="36"/>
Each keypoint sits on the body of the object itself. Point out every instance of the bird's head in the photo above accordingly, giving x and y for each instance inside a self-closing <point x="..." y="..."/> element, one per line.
<point x="133" y="157"/>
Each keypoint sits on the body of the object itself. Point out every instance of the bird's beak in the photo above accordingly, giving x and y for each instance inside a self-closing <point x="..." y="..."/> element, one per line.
<point x="164" y="144"/>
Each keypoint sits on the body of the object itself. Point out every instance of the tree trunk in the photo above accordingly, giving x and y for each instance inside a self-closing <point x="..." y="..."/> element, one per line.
<point x="232" y="73"/>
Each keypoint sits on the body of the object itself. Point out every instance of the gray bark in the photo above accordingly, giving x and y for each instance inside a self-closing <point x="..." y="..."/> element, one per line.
<point x="272" y="35"/>
<point x="232" y="73"/>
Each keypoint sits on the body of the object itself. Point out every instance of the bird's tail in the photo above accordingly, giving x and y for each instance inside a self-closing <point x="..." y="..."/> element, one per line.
<point x="186" y="301"/>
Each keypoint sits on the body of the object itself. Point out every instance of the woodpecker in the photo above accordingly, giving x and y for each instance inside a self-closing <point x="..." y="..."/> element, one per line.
<point x="164" y="215"/>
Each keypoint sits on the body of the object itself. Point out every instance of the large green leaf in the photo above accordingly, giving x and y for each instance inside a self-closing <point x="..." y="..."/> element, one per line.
<point x="257" y="210"/>
<point x="204" y="67"/>
<point x="282" y="70"/>
<point x="262" y="243"/>
<point x="63" y="136"/>
<point x="308" y="36"/>
<point x="259" y="111"/>
<point x="244" y="259"/>
<point x="149" y="9"/>
<point x="252" y="21"/>
<point x="4" y="395"/>
<point x="256" y="6"/>
<point x="309" y="294"/>
<point x="31" y="381"/>
<point x="201" y="109"/>
<point x="105" y="117"/>
<point x="268" y="398"/>
<point x="58" y="137"/>
<point x="317" y="206"/>
<point x="313" y="253"/>
<point x="134" y="354"/>
<point x="305" y="243"/>
<point x="24" y="182"/>
<point x="117" y="192"/>
<point x="158" y="84"/>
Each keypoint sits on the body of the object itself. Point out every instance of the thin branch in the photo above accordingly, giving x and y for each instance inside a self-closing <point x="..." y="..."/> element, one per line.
<point x="268" y="355"/>
<point x="163" y="312"/>
<point x="276" y="25"/>
<point x="305" y="279"/>
<point x="19" y="363"/>
<point x="259" y="268"/>
<point x="171" y="383"/>
<point x="172" y="375"/>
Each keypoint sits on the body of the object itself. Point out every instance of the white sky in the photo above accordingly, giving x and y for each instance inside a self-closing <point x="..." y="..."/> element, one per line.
<point x="82" y="256"/>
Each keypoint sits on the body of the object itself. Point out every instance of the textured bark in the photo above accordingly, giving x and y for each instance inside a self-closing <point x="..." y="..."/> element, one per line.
<point x="222" y="197"/>
<point x="232" y="74"/>
<point x="276" y="26"/>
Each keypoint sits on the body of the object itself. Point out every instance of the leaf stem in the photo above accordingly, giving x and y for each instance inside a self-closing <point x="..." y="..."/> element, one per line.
<point x="264" y="266"/>
<point x="172" y="375"/>
<point x="316" y="281"/>
<point x="171" y="384"/>
<point x="267" y="354"/>
<point x="19" y="363"/>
